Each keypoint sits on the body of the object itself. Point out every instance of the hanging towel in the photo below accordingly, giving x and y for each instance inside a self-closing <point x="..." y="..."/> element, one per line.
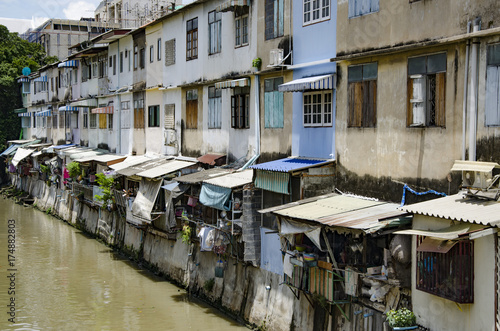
<point x="287" y="265"/>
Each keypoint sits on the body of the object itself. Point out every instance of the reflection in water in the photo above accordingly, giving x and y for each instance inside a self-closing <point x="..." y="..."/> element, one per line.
<point x="66" y="281"/>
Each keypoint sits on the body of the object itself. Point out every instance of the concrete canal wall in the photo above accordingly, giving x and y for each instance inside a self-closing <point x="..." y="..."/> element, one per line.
<point x="247" y="293"/>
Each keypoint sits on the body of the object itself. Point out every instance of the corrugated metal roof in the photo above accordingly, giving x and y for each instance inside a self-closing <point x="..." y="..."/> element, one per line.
<point x="200" y="176"/>
<point x="327" y="207"/>
<point x="137" y="168"/>
<point x="232" y="180"/>
<point x="130" y="161"/>
<point x="460" y="165"/>
<point x="211" y="158"/>
<point x="459" y="208"/>
<point x="291" y="164"/>
<point x="162" y="170"/>
<point x="104" y="158"/>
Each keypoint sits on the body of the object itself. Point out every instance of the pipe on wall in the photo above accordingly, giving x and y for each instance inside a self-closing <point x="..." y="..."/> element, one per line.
<point x="473" y="92"/>
<point x="466" y="81"/>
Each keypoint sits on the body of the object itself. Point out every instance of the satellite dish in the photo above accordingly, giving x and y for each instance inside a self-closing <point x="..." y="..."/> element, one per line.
<point x="26" y="71"/>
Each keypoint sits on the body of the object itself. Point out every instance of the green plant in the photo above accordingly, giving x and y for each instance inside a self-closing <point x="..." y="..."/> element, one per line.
<point x="48" y="211"/>
<point x="209" y="285"/>
<point x="186" y="234"/>
<point x="44" y="168"/>
<point x="257" y="62"/>
<point x="401" y="318"/>
<point x="106" y="183"/>
<point x="74" y="169"/>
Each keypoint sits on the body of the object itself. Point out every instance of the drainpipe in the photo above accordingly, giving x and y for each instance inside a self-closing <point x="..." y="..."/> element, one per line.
<point x="119" y="143"/>
<point x="473" y="92"/>
<point x="257" y="115"/>
<point x="466" y="80"/>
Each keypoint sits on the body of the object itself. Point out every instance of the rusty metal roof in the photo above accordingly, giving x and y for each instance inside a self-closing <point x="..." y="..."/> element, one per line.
<point x="212" y="159"/>
<point x="200" y="176"/>
<point x="458" y="207"/>
<point x="344" y="211"/>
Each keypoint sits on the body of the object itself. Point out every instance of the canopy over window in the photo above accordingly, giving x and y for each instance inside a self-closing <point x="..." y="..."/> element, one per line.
<point x="68" y="108"/>
<point x="242" y="82"/>
<point x="103" y="110"/>
<point x="325" y="82"/>
<point x="47" y="112"/>
<point x="231" y="5"/>
<point x="68" y="64"/>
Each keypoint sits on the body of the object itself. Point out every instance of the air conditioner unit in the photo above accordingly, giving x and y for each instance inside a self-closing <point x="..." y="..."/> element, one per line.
<point x="276" y="57"/>
<point x="170" y="137"/>
<point x="478" y="177"/>
<point x="418" y="100"/>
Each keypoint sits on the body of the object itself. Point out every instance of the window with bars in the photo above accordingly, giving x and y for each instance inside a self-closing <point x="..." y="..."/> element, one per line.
<point x="62" y="118"/>
<point x="362" y="7"/>
<point x="426" y="90"/>
<point x="448" y="274"/>
<point x="492" y="104"/>
<point x="317" y="109"/>
<point x="240" y="104"/>
<point x="315" y="11"/>
<point x="170" y="116"/>
<point x="214" y="32"/>
<point x="362" y="95"/>
<point x="110" y="121"/>
<point x="93" y="121"/>
<point x="192" y="39"/>
<point x="273" y="103"/>
<point x="274" y="19"/>
<point x="154" y="116"/>
<point x="170" y="52"/>
<point x="214" y="108"/>
<point x="85" y="120"/>
<point x="241" y="26"/>
<point x="54" y="120"/>
<point x="192" y="109"/>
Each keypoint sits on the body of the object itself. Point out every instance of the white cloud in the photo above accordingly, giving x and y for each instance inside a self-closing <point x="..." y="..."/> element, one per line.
<point x="79" y="9"/>
<point x="20" y="25"/>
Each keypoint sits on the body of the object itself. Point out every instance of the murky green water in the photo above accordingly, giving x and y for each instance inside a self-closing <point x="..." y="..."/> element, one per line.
<point x="67" y="281"/>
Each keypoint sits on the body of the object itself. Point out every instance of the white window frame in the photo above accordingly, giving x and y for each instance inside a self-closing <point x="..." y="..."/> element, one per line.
<point x="326" y="107"/>
<point x="492" y="93"/>
<point x="214" y="32"/>
<point x="214" y="108"/>
<point x="311" y="8"/>
<point x="239" y="30"/>
<point x="93" y="121"/>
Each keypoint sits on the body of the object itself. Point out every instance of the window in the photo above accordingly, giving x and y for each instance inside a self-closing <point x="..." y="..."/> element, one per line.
<point x="54" y="120"/>
<point x="214" y="108"/>
<point x="241" y="27"/>
<point x="170" y="52"/>
<point x="449" y="274"/>
<point x="192" y="39"/>
<point x="362" y="95"/>
<point x="317" y="109"/>
<point x="25" y="122"/>
<point x="72" y="120"/>
<point x="139" y="114"/>
<point x="151" y="54"/>
<point x="93" y="121"/>
<point x="142" y="57"/>
<point x="110" y="121"/>
<point x="274" y="19"/>
<point x="492" y="103"/>
<point x="426" y="90"/>
<point x="121" y="61"/>
<point x="240" y="103"/>
<point x="125" y="118"/>
<point x="158" y="49"/>
<point x="273" y="103"/>
<point x="214" y="32"/>
<point x="85" y="119"/>
<point x="103" y="121"/>
<point x="114" y="64"/>
<point x="135" y="57"/>
<point x="62" y="118"/>
<point x="170" y="116"/>
<point x="154" y="116"/>
<point x="362" y="7"/>
<point x="316" y="11"/>
<point x="111" y="61"/>
<point x="191" y="109"/>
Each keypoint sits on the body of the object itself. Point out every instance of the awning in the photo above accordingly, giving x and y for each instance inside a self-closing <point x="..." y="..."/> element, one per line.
<point x="137" y="168"/>
<point x="86" y="154"/>
<point x="84" y="103"/>
<point x="103" y="110"/>
<point x="130" y="161"/>
<point x="273" y="181"/>
<point x="10" y="149"/>
<point x="20" y="110"/>
<point x="232" y="180"/>
<point x="462" y="165"/>
<point x="144" y="201"/>
<point x="231" y="5"/>
<point x="23" y="80"/>
<point x="200" y="176"/>
<point x="242" y="82"/>
<point x="290" y="164"/>
<point x="68" y="108"/>
<point x="53" y="149"/>
<point x="24" y="114"/>
<point x="433" y="245"/>
<point x="213" y="159"/>
<point x="165" y="169"/>
<point x="21" y="154"/>
<point x="47" y="112"/>
<point x="325" y="82"/>
<point x="40" y="79"/>
<point x="107" y="159"/>
<point x="68" y="64"/>
<point x="448" y="233"/>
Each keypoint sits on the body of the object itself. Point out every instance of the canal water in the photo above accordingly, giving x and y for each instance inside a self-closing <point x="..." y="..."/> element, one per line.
<point x="64" y="280"/>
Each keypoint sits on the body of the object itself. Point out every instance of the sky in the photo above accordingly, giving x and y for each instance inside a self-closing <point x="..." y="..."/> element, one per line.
<point x="19" y="15"/>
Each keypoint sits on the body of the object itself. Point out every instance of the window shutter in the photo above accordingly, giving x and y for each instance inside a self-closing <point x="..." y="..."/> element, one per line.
<point x="492" y="103"/>
<point x="355" y="104"/>
<point x="233" y="111"/>
<point x="440" y="99"/>
<point x="417" y="99"/>
<point x="370" y="104"/>
<point x="268" y="109"/>
<point x="102" y="121"/>
<point x="170" y="116"/>
<point x="170" y="52"/>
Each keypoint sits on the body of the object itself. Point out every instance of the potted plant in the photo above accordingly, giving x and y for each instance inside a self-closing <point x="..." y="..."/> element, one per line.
<point x="401" y="319"/>
<point x="256" y="63"/>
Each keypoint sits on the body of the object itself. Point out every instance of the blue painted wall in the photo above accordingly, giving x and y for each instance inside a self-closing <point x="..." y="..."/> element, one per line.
<point x="313" y="42"/>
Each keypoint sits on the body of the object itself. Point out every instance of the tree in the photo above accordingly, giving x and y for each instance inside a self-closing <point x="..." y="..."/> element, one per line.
<point x="15" y="54"/>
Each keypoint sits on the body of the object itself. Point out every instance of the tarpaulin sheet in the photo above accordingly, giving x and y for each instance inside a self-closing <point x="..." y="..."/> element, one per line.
<point x="289" y="228"/>
<point x="215" y="196"/>
<point x="144" y="202"/>
<point x="20" y="155"/>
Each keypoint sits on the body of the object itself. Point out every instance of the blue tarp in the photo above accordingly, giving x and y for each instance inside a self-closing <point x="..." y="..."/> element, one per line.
<point x="215" y="196"/>
<point x="10" y="149"/>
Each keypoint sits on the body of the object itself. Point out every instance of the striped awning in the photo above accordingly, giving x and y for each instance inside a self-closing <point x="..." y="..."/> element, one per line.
<point x="68" y="108"/>
<point x="47" y="112"/>
<point x="231" y="5"/>
<point x="84" y="103"/>
<point x="24" y="79"/>
<point x="103" y="110"/>
<point x="68" y="64"/>
<point x="242" y="82"/>
<point x="273" y="181"/>
<point x="325" y="82"/>
<point x="24" y="114"/>
<point x="40" y="79"/>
